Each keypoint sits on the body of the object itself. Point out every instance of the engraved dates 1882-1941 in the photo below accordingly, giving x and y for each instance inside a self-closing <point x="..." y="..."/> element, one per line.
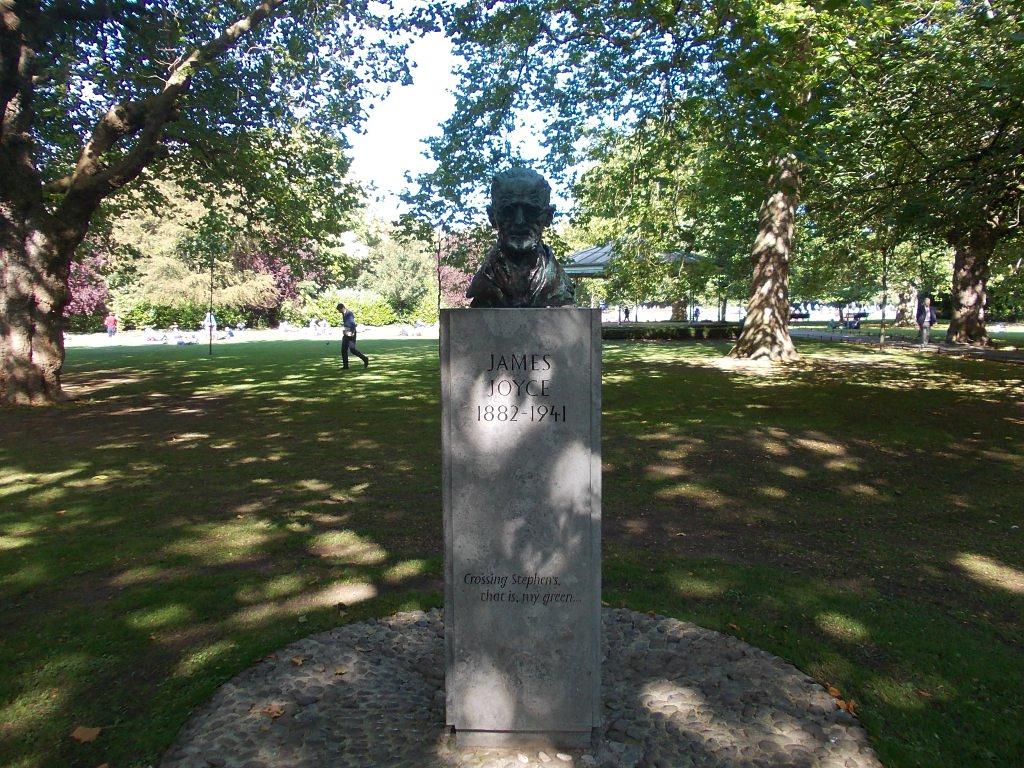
<point x="514" y="380"/>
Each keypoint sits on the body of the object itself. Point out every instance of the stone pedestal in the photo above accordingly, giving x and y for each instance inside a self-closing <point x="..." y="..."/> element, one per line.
<point x="521" y="404"/>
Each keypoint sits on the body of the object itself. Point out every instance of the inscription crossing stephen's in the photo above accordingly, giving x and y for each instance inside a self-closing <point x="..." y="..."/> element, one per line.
<point x="529" y="593"/>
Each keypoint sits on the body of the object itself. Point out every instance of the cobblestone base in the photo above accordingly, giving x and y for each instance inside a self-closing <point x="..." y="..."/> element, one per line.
<point x="371" y="695"/>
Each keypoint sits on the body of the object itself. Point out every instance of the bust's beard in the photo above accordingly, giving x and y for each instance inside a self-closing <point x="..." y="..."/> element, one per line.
<point x="520" y="246"/>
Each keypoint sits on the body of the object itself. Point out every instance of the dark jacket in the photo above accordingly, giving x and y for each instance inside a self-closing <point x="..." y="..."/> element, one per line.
<point x="926" y="316"/>
<point x="348" y="320"/>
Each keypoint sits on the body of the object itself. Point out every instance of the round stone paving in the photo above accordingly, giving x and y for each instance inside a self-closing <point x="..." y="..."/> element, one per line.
<point x="370" y="695"/>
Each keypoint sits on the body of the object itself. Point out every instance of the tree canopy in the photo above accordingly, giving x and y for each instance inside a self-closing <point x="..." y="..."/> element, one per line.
<point x="246" y="97"/>
<point x="881" y="128"/>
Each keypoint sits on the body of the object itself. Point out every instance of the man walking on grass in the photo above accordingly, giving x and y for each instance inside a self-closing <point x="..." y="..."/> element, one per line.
<point x="925" y="319"/>
<point x="348" y="337"/>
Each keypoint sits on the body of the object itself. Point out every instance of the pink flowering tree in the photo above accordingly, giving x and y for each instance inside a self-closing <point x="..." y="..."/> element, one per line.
<point x="459" y="255"/>
<point x="88" y="291"/>
<point x="287" y="264"/>
<point x="454" y="283"/>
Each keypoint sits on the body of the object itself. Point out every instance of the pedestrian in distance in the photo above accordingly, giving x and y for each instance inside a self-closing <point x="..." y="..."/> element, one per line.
<point x="110" y="322"/>
<point x="348" y="337"/>
<point x="925" y="318"/>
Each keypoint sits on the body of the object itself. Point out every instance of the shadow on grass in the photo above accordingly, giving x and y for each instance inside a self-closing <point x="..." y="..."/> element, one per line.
<point x="853" y="513"/>
<point x="929" y="689"/>
<point x="186" y="515"/>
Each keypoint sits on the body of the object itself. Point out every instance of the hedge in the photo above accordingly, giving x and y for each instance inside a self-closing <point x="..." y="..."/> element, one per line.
<point x="426" y="310"/>
<point x="84" y="323"/>
<point x="189" y="317"/>
<point x="670" y="331"/>
<point x="370" y="308"/>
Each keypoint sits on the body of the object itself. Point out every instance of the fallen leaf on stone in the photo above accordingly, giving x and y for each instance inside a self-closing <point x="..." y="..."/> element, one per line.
<point x="340" y="671"/>
<point x="84" y="735"/>
<point x="833" y="692"/>
<point x="734" y="627"/>
<point x="847" y="706"/>
<point x="297" y="660"/>
<point x="273" y="710"/>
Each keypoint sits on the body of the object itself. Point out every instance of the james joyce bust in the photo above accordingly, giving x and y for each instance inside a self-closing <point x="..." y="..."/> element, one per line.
<point x="520" y="270"/>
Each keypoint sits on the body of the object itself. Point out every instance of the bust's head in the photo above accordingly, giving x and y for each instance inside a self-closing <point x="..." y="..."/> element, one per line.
<point x="520" y="210"/>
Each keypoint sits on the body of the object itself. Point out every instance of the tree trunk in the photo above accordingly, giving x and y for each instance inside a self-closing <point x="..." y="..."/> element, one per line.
<point x="33" y="293"/>
<point x="907" y="301"/>
<point x="37" y="245"/>
<point x="678" y="310"/>
<point x="972" y="251"/>
<point x="766" y="328"/>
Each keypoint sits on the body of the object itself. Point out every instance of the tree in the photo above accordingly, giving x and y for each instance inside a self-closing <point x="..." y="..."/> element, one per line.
<point x="844" y="260"/>
<point x="638" y="198"/>
<point x="752" y="78"/>
<point x="93" y="94"/>
<point x="402" y="269"/>
<point x="87" y="290"/>
<point x="935" y="135"/>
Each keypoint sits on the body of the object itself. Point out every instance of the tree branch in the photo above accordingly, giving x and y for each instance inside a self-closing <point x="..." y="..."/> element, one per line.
<point x="92" y="180"/>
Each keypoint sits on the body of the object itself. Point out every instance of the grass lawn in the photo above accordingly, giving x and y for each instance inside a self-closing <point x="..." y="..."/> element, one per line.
<point x="858" y="513"/>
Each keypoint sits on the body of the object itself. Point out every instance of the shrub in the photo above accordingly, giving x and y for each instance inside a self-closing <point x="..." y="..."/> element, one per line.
<point x="84" y="323"/>
<point x="139" y="314"/>
<point x="370" y="308"/>
<point x="426" y="310"/>
<point x="670" y="331"/>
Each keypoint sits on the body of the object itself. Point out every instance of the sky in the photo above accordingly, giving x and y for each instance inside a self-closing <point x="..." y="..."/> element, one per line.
<point x="391" y="144"/>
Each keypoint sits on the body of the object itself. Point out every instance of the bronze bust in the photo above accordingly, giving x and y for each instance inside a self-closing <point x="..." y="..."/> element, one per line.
<point x="520" y="270"/>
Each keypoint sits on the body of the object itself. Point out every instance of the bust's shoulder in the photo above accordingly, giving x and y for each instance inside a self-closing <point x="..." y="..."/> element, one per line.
<point x="485" y="286"/>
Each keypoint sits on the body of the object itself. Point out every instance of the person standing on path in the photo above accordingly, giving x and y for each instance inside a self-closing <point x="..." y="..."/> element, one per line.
<point x="348" y="337"/>
<point x="925" y="318"/>
<point x="110" y="321"/>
